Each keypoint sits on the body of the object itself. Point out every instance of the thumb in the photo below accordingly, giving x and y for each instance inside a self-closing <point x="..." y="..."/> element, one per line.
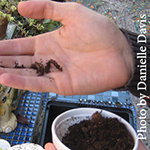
<point x="57" y="11"/>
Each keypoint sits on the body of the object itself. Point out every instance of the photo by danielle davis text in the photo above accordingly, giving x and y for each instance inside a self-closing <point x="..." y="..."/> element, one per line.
<point x="141" y="85"/>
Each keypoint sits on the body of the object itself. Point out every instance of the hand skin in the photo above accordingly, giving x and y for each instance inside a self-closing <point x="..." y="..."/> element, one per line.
<point x="50" y="146"/>
<point x="141" y="146"/>
<point x="93" y="52"/>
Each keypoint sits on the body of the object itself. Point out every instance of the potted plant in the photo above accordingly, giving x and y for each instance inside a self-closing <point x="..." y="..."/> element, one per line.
<point x="92" y="129"/>
<point x="7" y="7"/>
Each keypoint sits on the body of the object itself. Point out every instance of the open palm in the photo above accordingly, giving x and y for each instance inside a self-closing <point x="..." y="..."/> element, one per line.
<point x="90" y="48"/>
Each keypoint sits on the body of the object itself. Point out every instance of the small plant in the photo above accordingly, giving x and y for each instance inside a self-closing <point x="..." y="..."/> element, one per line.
<point x="6" y="8"/>
<point x="25" y="26"/>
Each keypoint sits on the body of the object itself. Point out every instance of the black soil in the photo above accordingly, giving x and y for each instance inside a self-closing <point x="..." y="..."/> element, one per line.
<point x="41" y="69"/>
<point x="98" y="133"/>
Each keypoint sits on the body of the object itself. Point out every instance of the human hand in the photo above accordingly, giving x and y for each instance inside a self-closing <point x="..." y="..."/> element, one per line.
<point x="94" y="54"/>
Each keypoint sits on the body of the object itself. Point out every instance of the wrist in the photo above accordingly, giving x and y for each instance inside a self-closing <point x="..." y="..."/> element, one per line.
<point x="128" y="56"/>
<point x="140" y="79"/>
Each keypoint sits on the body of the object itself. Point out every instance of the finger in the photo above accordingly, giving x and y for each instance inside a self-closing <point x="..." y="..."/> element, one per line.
<point x="56" y="82"/>
<point x="141" y="146"/>
<point x="46" y="10"/>
<point x="49" y="146"/>
<point x="22" y="72"/>
<point x="17" y="61"/>
<point x="36" y="84"/>
<point x="17" y="46"/>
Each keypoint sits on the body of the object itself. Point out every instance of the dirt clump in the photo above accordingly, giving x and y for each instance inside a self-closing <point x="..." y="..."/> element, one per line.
<point x="98" y="133"/>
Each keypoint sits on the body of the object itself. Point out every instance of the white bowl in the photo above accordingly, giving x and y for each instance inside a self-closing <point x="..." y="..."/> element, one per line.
<point x="63" y="121"/>
<point x="4" y="145"/>
<point x="26" y="146"/>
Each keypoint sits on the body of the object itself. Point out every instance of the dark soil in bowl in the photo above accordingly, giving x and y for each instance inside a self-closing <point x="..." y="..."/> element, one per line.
<point x="98" y="133"/>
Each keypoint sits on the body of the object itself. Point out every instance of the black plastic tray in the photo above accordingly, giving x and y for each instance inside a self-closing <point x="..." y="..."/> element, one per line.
<point x="54" y="108"/>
